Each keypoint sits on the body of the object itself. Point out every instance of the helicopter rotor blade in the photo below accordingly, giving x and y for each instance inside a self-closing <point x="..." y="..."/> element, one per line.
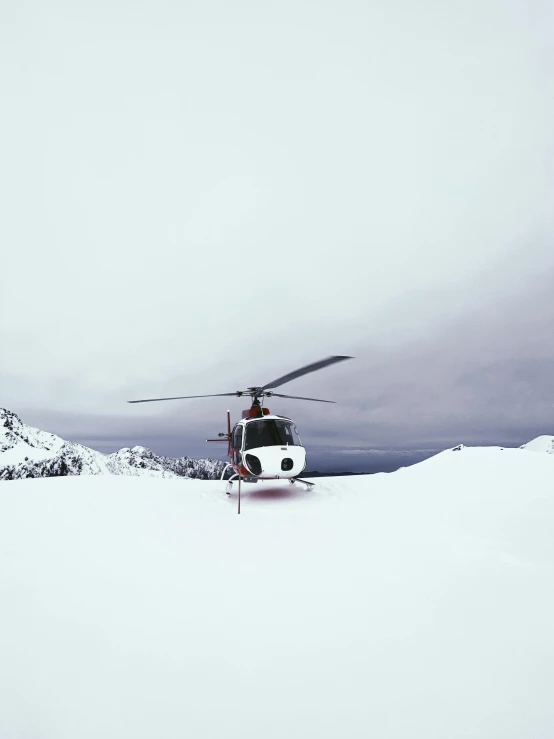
<point x="185" y="397"/>
<point x="305" y="370"/>
<point x="298" y="397"/>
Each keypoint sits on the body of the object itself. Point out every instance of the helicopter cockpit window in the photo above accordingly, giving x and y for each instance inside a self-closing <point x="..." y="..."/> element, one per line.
<point x="271" y="432"/>
<point x="237" y="437"/>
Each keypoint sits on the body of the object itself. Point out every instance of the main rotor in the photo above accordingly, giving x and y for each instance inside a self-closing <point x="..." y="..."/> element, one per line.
<point x="259" y="392"/>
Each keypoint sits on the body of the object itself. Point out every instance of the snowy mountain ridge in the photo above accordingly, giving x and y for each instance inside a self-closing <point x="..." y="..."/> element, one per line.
<point x="26" y="451"/>
<point x="540" y="444"/>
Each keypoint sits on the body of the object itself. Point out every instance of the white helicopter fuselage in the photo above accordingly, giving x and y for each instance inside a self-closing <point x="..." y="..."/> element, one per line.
<point x="271" y="451"/>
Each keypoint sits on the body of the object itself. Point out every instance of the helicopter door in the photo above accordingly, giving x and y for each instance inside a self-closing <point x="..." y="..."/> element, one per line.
<point x="237" y="443"/>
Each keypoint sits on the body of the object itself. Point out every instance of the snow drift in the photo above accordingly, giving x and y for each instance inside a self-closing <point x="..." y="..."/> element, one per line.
<point x="540" y="444"/>
<point x="29" y="452"/>
<point x="411" y="605"/>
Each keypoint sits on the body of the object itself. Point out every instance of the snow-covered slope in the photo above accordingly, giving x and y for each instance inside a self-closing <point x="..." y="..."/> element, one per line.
<point x="412" y="605"/>
<point x="540" y="444"/>
<point x="29" y="452"/>
<point x="18" y="440"/>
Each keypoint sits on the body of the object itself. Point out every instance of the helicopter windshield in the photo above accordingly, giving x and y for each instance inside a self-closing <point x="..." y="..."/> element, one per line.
<point x="271" y="433"/>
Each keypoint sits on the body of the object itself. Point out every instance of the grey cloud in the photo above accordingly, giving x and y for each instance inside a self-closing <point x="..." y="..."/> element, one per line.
<point x="485" y="377"/>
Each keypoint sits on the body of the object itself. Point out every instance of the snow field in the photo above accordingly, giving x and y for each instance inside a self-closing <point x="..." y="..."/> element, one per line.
<point x="416" y="604"/>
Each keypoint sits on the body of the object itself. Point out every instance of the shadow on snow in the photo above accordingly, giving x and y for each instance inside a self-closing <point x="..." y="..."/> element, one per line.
<point x="270" y="491"/>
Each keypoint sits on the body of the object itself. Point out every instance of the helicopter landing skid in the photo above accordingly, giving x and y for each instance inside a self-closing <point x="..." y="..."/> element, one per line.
<point x="236" y="476"/>
<point x="230" y="483"/>
<point x="309" y="485"/>
<point x="225" y="470"/>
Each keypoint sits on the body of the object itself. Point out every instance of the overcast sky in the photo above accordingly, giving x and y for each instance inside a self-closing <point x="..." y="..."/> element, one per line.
<point x="198" y="196"/>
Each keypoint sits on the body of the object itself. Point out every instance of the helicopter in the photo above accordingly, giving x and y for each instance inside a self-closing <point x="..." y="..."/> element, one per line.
<point x="263" y="445"/>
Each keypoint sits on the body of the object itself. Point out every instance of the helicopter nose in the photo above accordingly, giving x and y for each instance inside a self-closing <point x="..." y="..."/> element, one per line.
<point x="276" y="461"/>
